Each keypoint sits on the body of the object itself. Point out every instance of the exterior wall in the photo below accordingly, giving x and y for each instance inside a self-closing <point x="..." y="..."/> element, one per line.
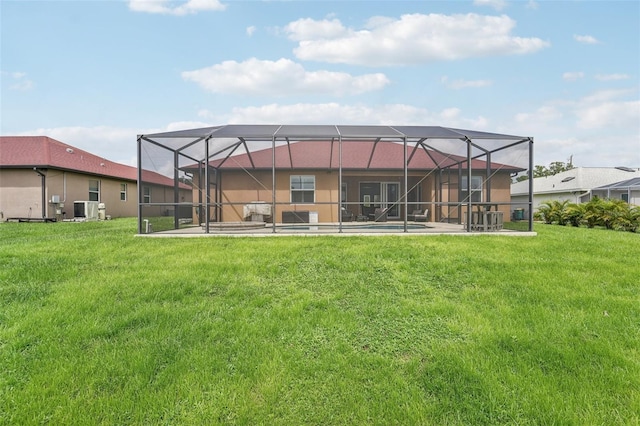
<point x="72" y="187"/>
<point x="538" y="199"/>
<point x="240" y="188"/>
<point x="21" y="196"/>
<point x="500" y="193"/>
<point x="634" y="195"/>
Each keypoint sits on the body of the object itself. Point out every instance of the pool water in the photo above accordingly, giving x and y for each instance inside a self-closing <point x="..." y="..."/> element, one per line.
<point x="396" y="227"/>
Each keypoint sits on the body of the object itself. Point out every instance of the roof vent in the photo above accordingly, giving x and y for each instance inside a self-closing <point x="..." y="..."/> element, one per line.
<point x="70" y="151"/>
<point x="101" y="164"/>
<point x="567" y="179"/>
<point x="625" y="169"/>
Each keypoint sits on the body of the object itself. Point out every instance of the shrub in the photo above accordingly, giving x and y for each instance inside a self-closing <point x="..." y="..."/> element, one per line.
<point x="608" y="213"/>
<point x="553" y="212"/>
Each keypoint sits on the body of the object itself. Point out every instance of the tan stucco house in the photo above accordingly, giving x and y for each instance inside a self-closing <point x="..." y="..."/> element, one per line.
<point x="325" y="174"/>
<point x="41" y="177"/>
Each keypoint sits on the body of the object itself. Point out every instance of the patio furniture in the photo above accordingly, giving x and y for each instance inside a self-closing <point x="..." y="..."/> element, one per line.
<point x="412" y="216"/>
<point x="494" y="221"/>
<point x="347" y="216"/>
<point x="421" y="217"/>
<point x="380" y="215"/>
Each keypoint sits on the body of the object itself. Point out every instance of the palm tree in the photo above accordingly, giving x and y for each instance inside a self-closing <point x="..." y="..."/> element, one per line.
<point x="574" y="213"/>
<point x="553" y="211"/>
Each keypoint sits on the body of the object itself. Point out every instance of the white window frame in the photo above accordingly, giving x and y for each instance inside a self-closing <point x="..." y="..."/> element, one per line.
<point x="476" y="188"/>
<point x="302" y="184"/>
<point x="94" y="192"/>
<point x="123" y="192"/>
<point x="146" y="194"/>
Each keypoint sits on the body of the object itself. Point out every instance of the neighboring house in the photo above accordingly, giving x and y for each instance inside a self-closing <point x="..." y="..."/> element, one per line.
<point x="41" y="177"/>
<point x="627" y="190"/>
<point x="577" y="185"/>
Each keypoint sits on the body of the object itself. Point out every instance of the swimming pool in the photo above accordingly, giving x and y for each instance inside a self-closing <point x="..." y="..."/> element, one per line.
<point x="363" y="226"/>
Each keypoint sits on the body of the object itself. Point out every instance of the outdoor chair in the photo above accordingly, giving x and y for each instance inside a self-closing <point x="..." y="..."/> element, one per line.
<point x="421" y="217"/>
<point x="412" y="216"/>
<point x="347" y="216"/>
<point x="380" y="215"/>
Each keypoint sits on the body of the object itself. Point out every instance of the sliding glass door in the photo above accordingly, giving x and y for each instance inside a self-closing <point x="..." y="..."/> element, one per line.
<point x="380" y="195"/>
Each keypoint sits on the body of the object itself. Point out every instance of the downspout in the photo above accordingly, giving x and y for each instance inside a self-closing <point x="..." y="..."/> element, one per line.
<point x="43" y="179"/>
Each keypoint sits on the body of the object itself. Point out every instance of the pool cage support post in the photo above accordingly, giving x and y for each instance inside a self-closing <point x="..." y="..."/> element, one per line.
<point x="139" y="184"/>
<point x="207" y="185"/>
<point x="469" y="170"/>
<point x="273" y="184"/>
<point x="340" y="184"/>
<point x="406" y="182"/>
<point x="530" y="184"/>
<point x="176" y="190"/>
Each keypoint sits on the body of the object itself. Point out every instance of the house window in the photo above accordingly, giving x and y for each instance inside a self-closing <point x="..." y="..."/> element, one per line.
<point x="146" y="194"/>
<point x="476" y="189"/>
<point x="624" y="197"/>
<point x="94" y="190"/>
<point x="303" y="189"/>
<point x="123" y="192"/>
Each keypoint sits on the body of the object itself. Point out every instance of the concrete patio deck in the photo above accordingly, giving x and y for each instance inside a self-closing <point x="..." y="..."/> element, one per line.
<point x="331" y="229"/>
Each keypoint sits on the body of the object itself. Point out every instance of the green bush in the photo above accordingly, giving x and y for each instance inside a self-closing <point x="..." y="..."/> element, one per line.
<point x="608" y="213"/>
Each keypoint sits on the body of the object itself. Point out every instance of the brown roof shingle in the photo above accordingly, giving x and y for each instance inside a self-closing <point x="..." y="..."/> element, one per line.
<point x="45" y="152"/>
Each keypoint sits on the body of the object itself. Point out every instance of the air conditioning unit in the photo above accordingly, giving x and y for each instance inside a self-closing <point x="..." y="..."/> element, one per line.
<point x="85" y="210"/>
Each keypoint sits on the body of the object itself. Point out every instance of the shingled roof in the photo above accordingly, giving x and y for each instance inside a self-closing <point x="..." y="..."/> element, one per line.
<point x="47" y="153"/>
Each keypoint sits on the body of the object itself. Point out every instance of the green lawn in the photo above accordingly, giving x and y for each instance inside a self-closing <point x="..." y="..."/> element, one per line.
<point x="98" y="326"/>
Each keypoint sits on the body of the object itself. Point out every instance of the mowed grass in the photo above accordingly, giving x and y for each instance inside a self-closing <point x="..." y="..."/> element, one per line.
<point x="98" y="326"/>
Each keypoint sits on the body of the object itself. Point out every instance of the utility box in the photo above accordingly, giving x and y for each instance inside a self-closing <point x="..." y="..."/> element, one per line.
<point x="85" y="210"/>
<point x="102" y="211"/>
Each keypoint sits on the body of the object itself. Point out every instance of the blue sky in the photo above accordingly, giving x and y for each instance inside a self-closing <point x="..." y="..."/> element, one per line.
<point x="94" y="74"/>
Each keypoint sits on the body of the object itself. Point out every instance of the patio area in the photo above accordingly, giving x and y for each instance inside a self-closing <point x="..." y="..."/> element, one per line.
<point x="333" y="229"/>
<point x="324" y="179"/>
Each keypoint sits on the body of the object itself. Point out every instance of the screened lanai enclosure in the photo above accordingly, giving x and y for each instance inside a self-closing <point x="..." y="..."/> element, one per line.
<point x="331" y="178"/>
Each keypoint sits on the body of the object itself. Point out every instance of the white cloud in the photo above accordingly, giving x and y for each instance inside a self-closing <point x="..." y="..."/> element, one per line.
<point x="112" y="143"/>
<point x="496" y="4"/>
<point x="411" y="39"/>
<point x="463" y="84"/>
<point x="587" y="128"/>
<point x="164" y="6"/>
<point x="532" y="4"/>
<point x="335" y="113"/>
<point x="280" y="78"/>
<point x="19" y="81"/>
<point x="612" y="77"/>
<point x="586" y="39"/>
<point x="251" y="30"/>
<point x="572" y="76"/>
<point x="608" y="115"/>
<point x="306" y="29"/>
